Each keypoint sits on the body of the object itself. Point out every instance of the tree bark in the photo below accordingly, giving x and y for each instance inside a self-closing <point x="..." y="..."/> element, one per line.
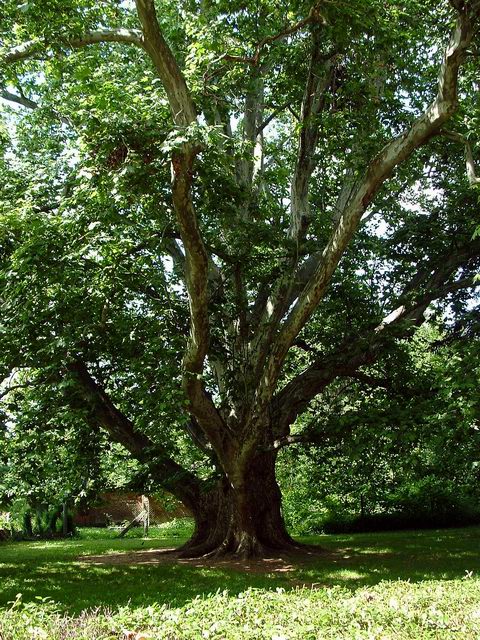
<point x="241" y="516"/>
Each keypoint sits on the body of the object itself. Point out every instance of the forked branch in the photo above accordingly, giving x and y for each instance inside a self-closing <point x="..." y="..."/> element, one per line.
<point x="196" y="256"/>
<point x="314" y="16"/>
<point x="473" y="179"/>
<point x="396" y="152"/>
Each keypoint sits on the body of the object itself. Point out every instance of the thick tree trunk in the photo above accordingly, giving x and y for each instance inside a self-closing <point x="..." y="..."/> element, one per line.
<point x="257" y="526"/>
<point x="211" y="513"/>
<point x="241" y="517"/>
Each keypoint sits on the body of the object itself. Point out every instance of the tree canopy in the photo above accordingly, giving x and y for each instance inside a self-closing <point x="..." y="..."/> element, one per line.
<point x="212" y="212"/>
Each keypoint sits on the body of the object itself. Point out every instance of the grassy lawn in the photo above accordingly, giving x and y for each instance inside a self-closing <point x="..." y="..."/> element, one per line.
<point x="386" y="585"/>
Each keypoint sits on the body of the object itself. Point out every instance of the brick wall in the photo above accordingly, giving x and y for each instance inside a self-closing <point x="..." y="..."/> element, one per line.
<point x="115" y="508"/>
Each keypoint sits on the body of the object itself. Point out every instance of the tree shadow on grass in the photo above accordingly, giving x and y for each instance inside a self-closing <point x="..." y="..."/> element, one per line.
<point x="148" y="576"/>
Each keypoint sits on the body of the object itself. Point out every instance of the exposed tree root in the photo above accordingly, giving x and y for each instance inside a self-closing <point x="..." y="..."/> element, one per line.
<point x="246" y="547"/>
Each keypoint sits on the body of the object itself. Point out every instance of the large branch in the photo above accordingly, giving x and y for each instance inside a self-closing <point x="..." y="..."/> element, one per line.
<point x="380" y="168"/>
<point x="151" y="40"/>
<point x="196" y="278"/>
<point x="197" y="262"/>
<point x="436" y="272"/>
<point x="169" y="473"/>
<point x="181" y="103"/>
<point x="32" y="48"/>
<point x="196" y="258"/>
<point x="248" y="167"/>
<point x="319" y="78"/>
<point x="198" y="269"/>
<point x="433" y="283"/>
<point x="184" y="114"/>
<point x="29" y="104"/>
<point x="271" y="308"/>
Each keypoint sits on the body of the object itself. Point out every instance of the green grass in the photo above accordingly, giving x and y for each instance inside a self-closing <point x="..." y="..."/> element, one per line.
<point x="387" y="585"/>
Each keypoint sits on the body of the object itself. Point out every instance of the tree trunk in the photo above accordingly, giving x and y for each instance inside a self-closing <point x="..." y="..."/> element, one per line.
<point x="211" y="513"/>
<point x="241" y="517"/>
<point x="65" y="518"/>
<point x="52" y="520"/>
<point x="27" y="524"/>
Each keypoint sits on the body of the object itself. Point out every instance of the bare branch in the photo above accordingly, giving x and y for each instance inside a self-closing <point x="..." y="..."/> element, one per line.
<point x="151" y="40"/>
<point x="196" y="267"/>
<point x="469" y="161"/>
<point x="174" y="251"/>
<point x="33" y="47"/>
<point x="21" y="100"/>
<point x="116" y="423"/>
<point x="30" y="104"/>
<point x="313" y="16"/>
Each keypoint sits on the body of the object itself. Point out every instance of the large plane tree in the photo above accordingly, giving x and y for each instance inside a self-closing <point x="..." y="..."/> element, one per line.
<point x="212" y="211"/>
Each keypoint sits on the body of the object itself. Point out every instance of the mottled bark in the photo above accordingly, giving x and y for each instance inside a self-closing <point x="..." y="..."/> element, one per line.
<point x="241" y="516"/>
<point x="396" y="152"/>
<point x="181" y="103"/>
<point x="31" y="48"/>
<point x="319" y="78"/>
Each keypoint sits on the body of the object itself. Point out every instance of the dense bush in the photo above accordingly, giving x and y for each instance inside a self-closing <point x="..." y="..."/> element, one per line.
<point x="400" y="454"/>
<point x="428" y="502"/>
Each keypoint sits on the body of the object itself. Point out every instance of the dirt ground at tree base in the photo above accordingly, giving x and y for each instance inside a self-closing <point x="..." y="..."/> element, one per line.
<point x="284" y="563"/>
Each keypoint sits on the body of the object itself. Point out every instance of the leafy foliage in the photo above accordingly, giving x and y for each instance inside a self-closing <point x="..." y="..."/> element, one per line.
<point x="174" y="256"/>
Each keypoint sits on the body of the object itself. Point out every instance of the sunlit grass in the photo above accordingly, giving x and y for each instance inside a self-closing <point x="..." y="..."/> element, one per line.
<point x="387" y="611"/>
<point x="445" y="563"/>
